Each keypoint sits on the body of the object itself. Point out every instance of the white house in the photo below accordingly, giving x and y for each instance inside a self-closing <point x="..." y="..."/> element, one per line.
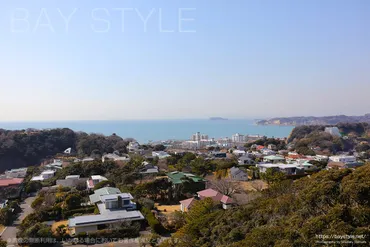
<point x="115" y="157"/>
<point x="16" y="173"/>
<point x="114" y="208"/>
<point x="94" y="180"/>
<point x="160" y="154"/>
<point x="238" y="152"/>
<point x="44" y="175"/>
<point x="266" y="151"/>
<point x="133" y="147"/>
<point x="288" y="169"/>
<point x="343" y="158"/>
<point x="273" y="159"/>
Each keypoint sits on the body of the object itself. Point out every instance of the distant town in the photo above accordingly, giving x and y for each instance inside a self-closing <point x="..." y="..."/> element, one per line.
<point x="151" y="192"/>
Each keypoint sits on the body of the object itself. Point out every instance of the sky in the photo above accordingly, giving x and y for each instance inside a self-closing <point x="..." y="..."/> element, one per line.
<point x="162" y="59"/>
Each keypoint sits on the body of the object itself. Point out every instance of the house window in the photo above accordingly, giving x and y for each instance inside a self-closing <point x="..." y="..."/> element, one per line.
<point x="126" y="202"/>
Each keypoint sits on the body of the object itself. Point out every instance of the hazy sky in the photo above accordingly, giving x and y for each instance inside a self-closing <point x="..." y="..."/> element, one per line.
<point x="159" y="59"/>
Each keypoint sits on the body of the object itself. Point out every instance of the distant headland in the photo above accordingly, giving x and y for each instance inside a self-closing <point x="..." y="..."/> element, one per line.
<point x="327" y="120"/>
<point x="217" y="118"/>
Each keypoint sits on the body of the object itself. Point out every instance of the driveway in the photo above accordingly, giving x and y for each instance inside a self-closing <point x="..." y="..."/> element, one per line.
<point x="11" y="231"/>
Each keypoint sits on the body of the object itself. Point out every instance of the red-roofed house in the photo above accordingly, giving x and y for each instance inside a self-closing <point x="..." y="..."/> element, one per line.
<point x="10" y="182"/>
<point x="217" y="197"/>
<point x="185" y="205"/>
<point x="259" y="147"/>
<point x="225" y="201"/>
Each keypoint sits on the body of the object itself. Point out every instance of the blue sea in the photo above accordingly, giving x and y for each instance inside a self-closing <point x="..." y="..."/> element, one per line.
<point x="160" y="130"/>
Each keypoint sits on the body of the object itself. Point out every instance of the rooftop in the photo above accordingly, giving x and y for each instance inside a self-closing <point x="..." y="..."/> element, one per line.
<point x="94" y="198"/>
<point x="98" y="177"/>
<point x="48" y="172"/>
<point x="177" y="177"/>
<point x="187" y="203"/>
<point x="124" y="196"/>
<point x="105" y="218"/>
<point x="274" y="157"/>
<point x="215" y="195"/>
<point x="10" y="181"/>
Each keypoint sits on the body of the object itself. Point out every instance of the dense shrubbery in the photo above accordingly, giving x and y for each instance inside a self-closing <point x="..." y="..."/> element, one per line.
<point x="24" y="148"/>
<point x="287" y="214"/>
<point x="126" y="230"/>
<point x="85" y="210"/>
<point x="154" y="224"/>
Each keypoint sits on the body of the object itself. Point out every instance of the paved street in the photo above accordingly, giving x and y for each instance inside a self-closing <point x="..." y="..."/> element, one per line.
<point x="11" y="231"/>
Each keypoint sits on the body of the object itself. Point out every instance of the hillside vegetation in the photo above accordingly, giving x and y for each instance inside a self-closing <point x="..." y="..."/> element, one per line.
<point x="315" y="120"/>
<point x="355" y="137"/>
<point x="335" y="202"/>
<point x="29" y="147"/>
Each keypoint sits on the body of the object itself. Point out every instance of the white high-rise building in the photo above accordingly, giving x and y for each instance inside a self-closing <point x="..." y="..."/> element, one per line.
<point x="204" y="137"/>
<point x="237" y="138"/>
<point x="196" y="137"/>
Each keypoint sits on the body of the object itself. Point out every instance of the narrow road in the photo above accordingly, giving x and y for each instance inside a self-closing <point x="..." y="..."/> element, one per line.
<point x="11" y="231"/>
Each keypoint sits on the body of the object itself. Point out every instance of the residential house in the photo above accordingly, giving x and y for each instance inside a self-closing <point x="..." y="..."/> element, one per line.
<point x="266" y="151"/>
<point x="56" y="165"/>
<point x="306" y="166"/>
<point x="148" y="168"/>
<point x="219" y="155"/>
<point x="44" y="175"/>
<point x="272" y="147"/>
<point x="72" y="181"/>
<point x="180" y="177"/>
<point x="87" y="159"/>
<point x="245" y="160"/>
<point x="115" y="157"/>
<point x="274" y="159"/>
<point x="217" y="197"/>
<point x="10" y="187"/>
<point x="3" y="203"/>
<point x="238" y="153"/>
<point x="238" y="174"/>
<point x="288" y="169"/>
<point x="110" y="196"/>
<point x="343" y="158"/>
<point x="114" y="209"/>
<point x="225" y="201"/>
<point x="160" y="154"/>
<point x="185" y="205"/>
<point x="16" y="173"/>
<point x="134" y="147"/>
<point x="94" y="180"/>
<point x="11" y="182"/>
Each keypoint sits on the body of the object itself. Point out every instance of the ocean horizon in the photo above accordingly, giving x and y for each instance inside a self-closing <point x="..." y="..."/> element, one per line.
<point x="145" y="131"/>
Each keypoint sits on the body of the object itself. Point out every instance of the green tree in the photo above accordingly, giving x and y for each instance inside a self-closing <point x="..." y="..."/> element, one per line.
<point x="271" y="176"/>
<point x="104" y="183"/>
<point x="33" y="186"/>
<point x="6" y="216"/>
<point x="3" y="243"/>
<point x="73" y="201"/>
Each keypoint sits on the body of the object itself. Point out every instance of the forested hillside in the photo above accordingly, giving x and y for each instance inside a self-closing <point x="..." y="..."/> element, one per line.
<point x="355" y="137"/>
<point x="335" y="202"/>
<point x="30" y="147"/>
